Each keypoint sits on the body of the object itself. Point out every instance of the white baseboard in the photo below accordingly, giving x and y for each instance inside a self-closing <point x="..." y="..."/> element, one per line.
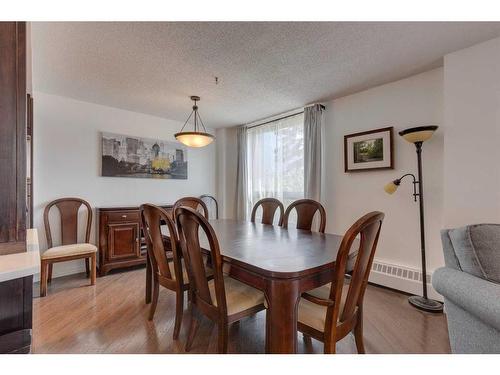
<point x="401" y="278"/>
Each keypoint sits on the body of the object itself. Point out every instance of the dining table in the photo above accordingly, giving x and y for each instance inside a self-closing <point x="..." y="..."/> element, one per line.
<point x="283" y="263"/>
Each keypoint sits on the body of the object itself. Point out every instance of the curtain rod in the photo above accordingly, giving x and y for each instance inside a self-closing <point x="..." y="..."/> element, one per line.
<point x="281" y="118"/>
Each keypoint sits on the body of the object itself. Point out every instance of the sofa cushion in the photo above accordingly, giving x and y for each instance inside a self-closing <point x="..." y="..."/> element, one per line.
<point x="477" y="249"/>
<point x="450" y="258"/>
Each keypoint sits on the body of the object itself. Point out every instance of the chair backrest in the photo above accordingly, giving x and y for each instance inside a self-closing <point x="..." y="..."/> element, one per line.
<point x="212" y="205"/>
<point x="68" y="211"/>
<point x="269" y="207"/>
<point x="368" y="228"/>
<point x="188" y="223"/>
<point x="192" y="202"/>
<point x="153" y="217"/>
<point x="306" y="209"/>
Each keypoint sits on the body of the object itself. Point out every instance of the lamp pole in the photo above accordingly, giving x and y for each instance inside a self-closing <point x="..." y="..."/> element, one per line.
<point x="418" y="146"/>
<point x="423" y="302"/>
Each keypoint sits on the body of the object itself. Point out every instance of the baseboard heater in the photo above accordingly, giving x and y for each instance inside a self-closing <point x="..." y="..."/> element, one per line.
<point x="401" y="278"/>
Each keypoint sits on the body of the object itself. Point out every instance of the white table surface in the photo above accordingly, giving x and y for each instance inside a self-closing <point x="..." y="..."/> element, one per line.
<point x="14" y="266"/>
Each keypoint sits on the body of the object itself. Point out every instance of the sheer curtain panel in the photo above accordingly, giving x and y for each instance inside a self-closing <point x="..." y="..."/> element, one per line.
<point x="275" y="161"/>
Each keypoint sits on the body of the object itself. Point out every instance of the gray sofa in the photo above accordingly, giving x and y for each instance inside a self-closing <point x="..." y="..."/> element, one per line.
<point x="470" y="285"/>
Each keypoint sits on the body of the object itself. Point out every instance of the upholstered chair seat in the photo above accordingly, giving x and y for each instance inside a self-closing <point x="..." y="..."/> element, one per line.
<point x="239" y="296"/>
<point x="314" y="315"/>
<point x="185" y="277"/>
<point x="69" y="250"/>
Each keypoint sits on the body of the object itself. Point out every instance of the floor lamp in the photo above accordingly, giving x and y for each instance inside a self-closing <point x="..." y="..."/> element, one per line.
<point x="418" y="136"/>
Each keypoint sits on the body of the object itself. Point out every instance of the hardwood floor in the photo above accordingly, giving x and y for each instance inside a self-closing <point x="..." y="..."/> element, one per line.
<point x="111" y="317"/>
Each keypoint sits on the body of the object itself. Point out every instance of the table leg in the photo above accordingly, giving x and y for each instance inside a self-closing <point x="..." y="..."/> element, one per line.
<point x="149" y="279"/>
<point x="283" y="297"/>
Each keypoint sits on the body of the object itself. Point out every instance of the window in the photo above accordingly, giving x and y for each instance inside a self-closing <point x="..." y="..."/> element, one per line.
<point x="275" y="160"/>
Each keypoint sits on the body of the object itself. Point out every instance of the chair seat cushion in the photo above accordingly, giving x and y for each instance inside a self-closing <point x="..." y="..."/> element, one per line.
<point x="314" y="315"/>
<point x="239" y="296"/>
<point x="185" y="277"/>
<point x="69" y="250"/>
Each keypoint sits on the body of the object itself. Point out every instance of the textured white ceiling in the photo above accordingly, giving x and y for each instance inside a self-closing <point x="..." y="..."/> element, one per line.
<point x="263" y="68"/>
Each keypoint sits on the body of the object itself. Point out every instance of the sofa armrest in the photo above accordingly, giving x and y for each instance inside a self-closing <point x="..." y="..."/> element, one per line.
<point x="477" y="296"/>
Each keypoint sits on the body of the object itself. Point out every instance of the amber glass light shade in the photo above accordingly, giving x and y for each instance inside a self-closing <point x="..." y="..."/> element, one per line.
<point x="194" y="139"/>
<point x="418" y="134"/>
<point x="390" y="188"/>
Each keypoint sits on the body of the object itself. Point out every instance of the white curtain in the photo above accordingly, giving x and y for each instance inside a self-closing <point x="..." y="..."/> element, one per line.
<point x="242" y="175"/>
<point x="275" y="161"/>
<point x="313" y="117"/>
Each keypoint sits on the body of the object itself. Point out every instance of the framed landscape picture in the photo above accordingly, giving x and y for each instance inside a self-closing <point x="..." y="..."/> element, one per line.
<point x="129" y="156"/>
<point x="368" y="150"/>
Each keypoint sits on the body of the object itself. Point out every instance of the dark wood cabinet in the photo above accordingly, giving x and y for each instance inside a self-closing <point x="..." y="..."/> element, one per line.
<point x="120" y="239"/>
<point x="123" y="240"/>
<point x="16" y="315"/>
<point x="13" y="137"/>
<point x="15" y="294"/>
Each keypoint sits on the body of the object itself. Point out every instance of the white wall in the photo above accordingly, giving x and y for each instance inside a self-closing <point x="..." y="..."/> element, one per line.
<point x="472" y="121"/>
<point x="414" y="101"/>
<point x="67" y="160"/>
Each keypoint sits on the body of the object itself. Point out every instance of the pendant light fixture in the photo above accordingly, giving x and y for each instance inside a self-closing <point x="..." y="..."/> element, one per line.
<point x="195" y="138"/>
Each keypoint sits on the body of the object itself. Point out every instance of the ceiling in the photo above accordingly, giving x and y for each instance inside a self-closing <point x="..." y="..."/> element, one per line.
<point x="263" y="68"/>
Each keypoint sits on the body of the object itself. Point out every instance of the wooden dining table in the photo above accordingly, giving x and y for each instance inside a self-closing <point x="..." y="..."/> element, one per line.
<point x="283" y="263"/>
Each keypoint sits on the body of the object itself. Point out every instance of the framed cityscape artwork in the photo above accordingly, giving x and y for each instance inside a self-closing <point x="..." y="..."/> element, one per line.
<point x="129" y="156"/>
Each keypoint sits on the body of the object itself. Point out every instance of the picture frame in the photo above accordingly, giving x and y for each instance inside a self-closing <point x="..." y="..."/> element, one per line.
<point x="140" y="157"/>
<point x="369" y="150"/>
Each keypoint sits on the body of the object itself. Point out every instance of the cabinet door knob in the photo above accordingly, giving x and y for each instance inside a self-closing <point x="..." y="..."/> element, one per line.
<point x="124" y="216"/>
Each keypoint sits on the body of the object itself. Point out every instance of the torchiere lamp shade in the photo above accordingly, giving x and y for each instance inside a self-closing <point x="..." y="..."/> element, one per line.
<point x="418" y="134"/>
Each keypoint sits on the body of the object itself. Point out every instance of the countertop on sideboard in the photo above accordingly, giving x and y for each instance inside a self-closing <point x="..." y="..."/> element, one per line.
<point x="14" y="266"/>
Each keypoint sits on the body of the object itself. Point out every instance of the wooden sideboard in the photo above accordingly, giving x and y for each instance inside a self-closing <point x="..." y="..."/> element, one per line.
<point x="120" y="237"/>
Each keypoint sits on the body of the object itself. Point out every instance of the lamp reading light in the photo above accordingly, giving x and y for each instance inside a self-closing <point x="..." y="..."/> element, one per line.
<point x="392" y="186"/>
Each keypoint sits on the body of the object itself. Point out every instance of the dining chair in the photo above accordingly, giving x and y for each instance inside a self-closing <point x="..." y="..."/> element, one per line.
<point x="192" y="202"/>
<point x="223" y="300"/>
<point x="269" y="207"/>
<point x="167" y="269"/>
<point x="331" y="312"/>
<point x="69" y="249"/>
<point x="306" y="209"/>
<point x="212" y="204"/>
